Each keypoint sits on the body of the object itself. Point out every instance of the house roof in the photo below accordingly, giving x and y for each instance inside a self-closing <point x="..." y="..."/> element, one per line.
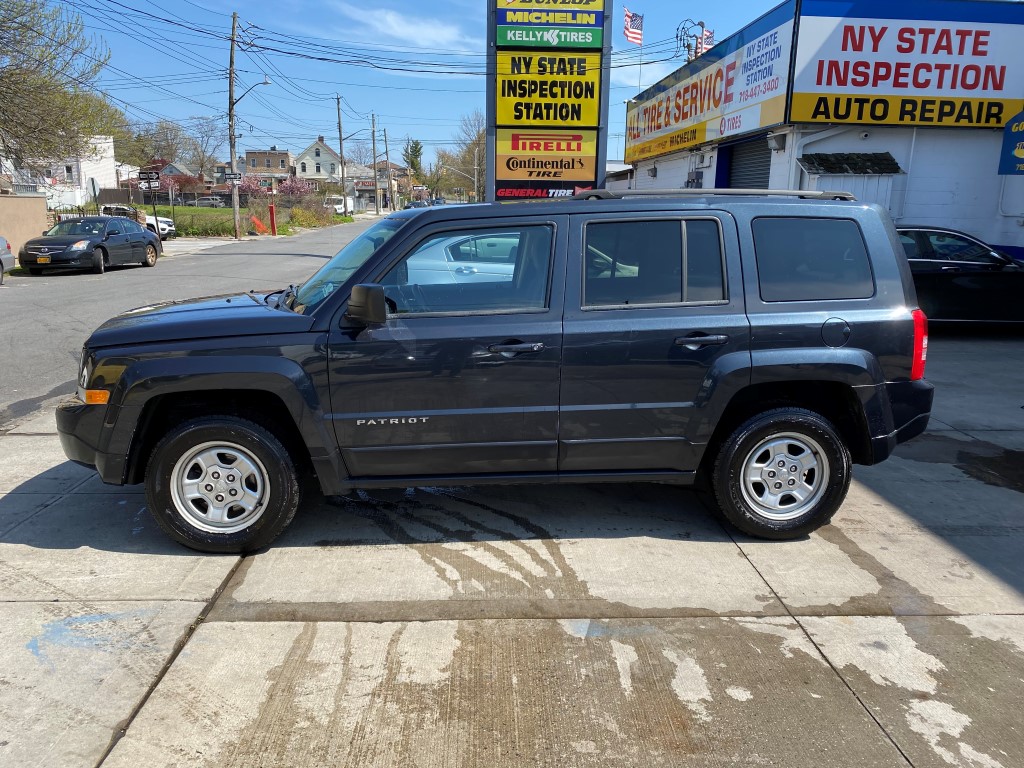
<point x="316" y="144"/>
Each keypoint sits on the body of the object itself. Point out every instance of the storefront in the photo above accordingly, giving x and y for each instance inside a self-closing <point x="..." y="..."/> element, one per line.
<point x="902" y="104"/>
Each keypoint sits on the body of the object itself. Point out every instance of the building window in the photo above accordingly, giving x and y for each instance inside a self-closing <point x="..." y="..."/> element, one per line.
<point x="252" y="162"/>
<point x="332" y="167"/>
<point x="282" y="162"/>
<point x="318" y="167"/>
<point x="317" y="151"/>
<point x="266" y="162"/>
<point x="69" y="170"/>
<point x="303" y="167"/>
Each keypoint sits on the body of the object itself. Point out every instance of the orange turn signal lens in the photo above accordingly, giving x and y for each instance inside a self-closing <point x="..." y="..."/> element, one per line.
<point x="96" y="397"/>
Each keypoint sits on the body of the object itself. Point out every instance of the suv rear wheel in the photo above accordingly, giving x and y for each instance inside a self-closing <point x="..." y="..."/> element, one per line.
<point x="222" y="484"/>
<point x="781" y="474"/>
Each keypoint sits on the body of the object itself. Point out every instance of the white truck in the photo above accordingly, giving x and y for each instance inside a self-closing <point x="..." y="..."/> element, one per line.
<point x="160" y="225"/>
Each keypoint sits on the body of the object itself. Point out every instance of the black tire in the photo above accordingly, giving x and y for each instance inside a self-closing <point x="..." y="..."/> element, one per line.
<point x="99" y="258"/>
<point x="266" y="476"/>
<point x="770" y="500"/>
<point x="35" y="271"/>
<point x="151" y="256"/>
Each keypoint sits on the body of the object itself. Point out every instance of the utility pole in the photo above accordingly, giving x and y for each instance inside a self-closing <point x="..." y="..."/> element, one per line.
<point x="341" y="151"/>
<point x="476" y="165"/>
<point x="387" y="159"/>
<point x="376" y="175"/>
<point x="231" y="125"/>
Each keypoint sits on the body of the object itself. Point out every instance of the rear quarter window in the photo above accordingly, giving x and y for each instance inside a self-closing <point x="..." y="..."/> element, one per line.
<point x="811" y="259"/>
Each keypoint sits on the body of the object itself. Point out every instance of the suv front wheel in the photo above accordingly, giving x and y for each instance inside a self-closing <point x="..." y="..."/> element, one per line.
<point x="781" y="474"/>
<point x="222" y="484"/>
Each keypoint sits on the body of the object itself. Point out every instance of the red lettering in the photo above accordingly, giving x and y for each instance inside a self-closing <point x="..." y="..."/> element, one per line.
<point x="906" y="40"/>
<point x="902" y="71"/>
<point x="980" y="43"/>
<point x="883" y="71"/>
<point x="853" y="38"/>
<point x="730" y="80"/>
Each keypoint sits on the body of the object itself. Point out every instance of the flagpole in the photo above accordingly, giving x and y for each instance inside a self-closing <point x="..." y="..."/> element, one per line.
<point x="640" y="69"/>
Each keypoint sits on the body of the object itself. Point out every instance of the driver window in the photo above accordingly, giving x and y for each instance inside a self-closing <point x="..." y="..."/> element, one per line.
<point x="473" y="271"/>
<point x="955" y="248"/>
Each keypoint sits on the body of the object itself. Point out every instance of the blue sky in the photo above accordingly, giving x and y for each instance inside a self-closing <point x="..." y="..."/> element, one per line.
<point x="417" y="66"/>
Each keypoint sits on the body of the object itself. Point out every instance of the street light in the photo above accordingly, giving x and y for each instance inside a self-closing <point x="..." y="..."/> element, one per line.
<point x="473" y="178"/>
<point x="231" y="142"/>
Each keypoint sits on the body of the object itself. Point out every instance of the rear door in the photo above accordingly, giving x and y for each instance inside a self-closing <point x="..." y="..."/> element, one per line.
<point x="651" y="309"/>
<point x="463" y="378"/>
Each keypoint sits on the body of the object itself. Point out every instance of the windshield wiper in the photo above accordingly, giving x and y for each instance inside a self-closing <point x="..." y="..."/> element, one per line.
<point x="287" y="296"/>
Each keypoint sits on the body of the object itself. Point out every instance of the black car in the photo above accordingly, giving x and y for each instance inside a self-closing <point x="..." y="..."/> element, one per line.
<point x="415" y="204"/>
<point x="755" y="346"/>
<point x="91" y="242"/>
<point x="959" y="277"/>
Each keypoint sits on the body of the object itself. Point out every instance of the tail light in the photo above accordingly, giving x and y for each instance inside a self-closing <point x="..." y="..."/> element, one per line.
<point x="920" y="345"/>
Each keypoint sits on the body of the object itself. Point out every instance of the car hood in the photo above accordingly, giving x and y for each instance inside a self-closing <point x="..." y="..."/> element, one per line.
<point x="59" y="241"/>
<point x="242" y="314"/>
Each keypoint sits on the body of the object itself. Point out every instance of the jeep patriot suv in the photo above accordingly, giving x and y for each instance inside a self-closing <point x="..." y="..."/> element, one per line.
<point x="753" y="344"/>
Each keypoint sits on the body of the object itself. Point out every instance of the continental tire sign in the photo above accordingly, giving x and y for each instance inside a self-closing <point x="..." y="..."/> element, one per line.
<point x="545" y="92"/>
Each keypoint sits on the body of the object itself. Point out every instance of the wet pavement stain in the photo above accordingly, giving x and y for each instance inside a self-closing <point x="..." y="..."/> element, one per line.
<point x="978" y="459"/>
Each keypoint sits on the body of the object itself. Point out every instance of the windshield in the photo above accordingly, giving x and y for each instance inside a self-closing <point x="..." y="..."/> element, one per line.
<point x="340" y="268"/>
<point x="77" y="227"/>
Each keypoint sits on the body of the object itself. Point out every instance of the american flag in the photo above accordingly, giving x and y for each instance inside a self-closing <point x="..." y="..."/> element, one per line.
<point x="706" y="41"/>
<point x="634" y="27"/>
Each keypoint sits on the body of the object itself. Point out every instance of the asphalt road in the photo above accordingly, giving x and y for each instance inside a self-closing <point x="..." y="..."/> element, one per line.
<point x="590" y="626"/>
<point x="45" y="319"/>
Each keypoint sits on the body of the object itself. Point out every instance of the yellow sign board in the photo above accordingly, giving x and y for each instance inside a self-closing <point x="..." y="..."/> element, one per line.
<point x="548" y="88"/>
<point x="547" y="5"/>
<point x="531" y="153"/>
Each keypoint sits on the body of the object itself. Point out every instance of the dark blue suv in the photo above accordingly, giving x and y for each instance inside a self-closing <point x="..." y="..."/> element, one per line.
<point x="753" y="345"/>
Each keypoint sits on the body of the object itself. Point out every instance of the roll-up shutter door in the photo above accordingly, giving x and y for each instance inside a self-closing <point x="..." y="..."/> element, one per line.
<point x="751" y="165"/>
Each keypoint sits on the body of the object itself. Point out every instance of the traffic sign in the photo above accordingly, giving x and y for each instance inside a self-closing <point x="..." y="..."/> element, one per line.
<point x="149" y="185"/>
<point x="148" y="176"/>
<point x="232" y="176"/>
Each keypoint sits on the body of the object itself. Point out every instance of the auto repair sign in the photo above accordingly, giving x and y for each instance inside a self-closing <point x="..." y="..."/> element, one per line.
<point x="955" y="63"/>
<point x="737" y="87"/>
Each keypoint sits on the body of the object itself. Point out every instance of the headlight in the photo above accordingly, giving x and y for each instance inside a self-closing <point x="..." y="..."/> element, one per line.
<point x="81" y="245"/>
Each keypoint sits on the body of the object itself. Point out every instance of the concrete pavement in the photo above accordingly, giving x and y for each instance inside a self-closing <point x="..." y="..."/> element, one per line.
<point x="573" y="626"/>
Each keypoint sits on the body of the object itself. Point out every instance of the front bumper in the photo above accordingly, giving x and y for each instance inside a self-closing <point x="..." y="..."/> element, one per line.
<point x="84" y="433"/>
<point x="65" y="260"/>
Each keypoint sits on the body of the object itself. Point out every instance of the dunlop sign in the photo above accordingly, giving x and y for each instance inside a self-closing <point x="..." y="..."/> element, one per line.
<point x="550" y="25"/>
<point x="548" y="89"/>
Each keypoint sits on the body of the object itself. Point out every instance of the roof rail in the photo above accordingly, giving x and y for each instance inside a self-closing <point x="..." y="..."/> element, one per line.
<point x="809" y="194"/>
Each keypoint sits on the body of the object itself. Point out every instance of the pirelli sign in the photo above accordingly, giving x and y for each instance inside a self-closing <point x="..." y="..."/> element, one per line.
<point x="547" y="97"/>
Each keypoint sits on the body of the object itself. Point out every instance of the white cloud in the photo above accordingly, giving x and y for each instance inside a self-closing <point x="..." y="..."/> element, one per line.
<point x="383" y="24"/>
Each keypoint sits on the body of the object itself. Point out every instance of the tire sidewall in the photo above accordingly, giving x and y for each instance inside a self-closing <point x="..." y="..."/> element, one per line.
<point x="728" y="473"/>
<point x="145" y="260"/>
<point x="98" y="259"/>
<point x="283" y="489"/>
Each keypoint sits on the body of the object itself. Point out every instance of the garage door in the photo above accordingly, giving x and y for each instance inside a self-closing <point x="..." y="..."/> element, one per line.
<point x="751" y="165"/>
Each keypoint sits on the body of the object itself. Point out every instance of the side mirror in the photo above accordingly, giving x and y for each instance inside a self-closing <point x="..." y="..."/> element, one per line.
<point x="366" y="305"/>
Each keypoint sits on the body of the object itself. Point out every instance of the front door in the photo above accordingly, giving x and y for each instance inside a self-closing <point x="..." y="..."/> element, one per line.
<point x="463" y="377"/>
<point x="118" y="242"/>
<point x="650" y="310"/>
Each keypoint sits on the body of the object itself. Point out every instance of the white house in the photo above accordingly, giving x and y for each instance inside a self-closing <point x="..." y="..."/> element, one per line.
<point x="73" y="181"/>
<point x="318" y="162"/>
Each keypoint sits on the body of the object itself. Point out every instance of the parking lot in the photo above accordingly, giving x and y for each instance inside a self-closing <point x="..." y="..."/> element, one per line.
<point x="601" y="625"/>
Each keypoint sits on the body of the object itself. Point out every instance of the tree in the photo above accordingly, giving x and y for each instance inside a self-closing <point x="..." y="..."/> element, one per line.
<point x="360" y="152"/>
<point x="48" y="68"/>
<point x="412" y="154"/>
<point x="295" y="186"/>
<point x="203" y="143"/>
<point x="251" y="186"/>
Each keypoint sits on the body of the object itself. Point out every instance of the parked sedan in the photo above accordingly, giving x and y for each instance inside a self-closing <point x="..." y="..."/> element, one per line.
<point x="6" y="258"/>
<point x="207" y="202"/>
<point x="90" y="242"/>
<point x="959" y="277"/>
<point x="489" y="258"/>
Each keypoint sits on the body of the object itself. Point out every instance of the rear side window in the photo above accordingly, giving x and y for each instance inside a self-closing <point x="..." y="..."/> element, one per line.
<point x="653" y="262"/>
<point x="811" y="259"/>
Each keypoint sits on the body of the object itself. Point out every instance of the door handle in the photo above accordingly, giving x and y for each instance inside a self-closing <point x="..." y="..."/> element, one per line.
<point x="694" y="342"/>
<point x="465" y="270"/>
<point x="951" y="269"/>
<point x="516" y="348"/>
